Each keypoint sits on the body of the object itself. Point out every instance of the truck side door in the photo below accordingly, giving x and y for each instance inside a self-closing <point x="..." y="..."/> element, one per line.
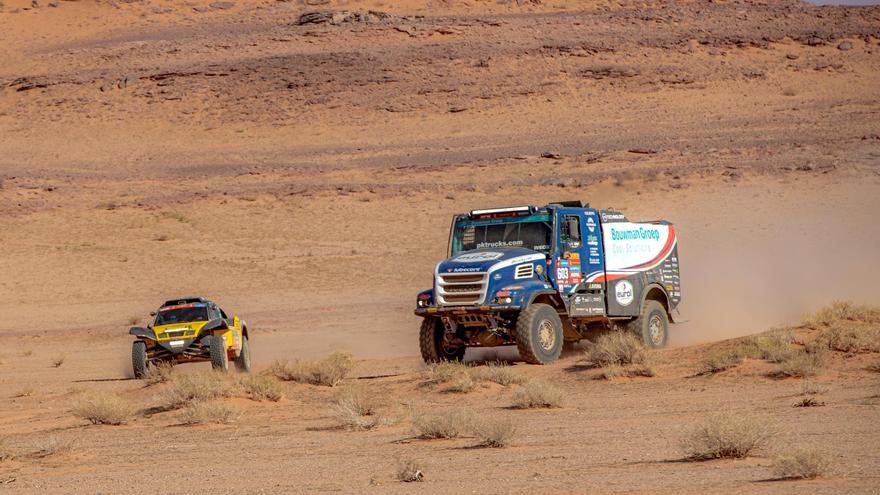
<point x="570" y="258"/>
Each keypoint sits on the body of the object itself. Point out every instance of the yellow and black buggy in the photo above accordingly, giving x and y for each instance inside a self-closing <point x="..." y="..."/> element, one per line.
<point x="191" y="329"/>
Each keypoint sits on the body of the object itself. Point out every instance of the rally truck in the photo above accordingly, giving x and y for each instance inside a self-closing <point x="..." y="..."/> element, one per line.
<point x="541" y="276"/>
<point x="187" y="330"/>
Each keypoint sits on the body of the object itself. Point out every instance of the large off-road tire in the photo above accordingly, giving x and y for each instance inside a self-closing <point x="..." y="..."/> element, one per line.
<point x="652" y="325"/>
<point x="219" y="357"/>
<point x="139" y="358"/>
<point x="432" y="343"/>
<point x="539" y="336"/>
<point x="243" y="361"/>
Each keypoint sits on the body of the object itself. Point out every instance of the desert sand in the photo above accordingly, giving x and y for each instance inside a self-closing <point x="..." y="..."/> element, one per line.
<point x="303" y="170"/>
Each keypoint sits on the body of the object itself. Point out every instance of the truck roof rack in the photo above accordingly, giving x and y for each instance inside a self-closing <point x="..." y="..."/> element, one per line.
<point x="184" y="300"/>
<point x="572" y="204"/>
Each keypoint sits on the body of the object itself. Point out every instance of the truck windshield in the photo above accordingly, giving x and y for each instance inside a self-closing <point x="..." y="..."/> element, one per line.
<point x="181" y="314"/>
<point x="532" y="232"/>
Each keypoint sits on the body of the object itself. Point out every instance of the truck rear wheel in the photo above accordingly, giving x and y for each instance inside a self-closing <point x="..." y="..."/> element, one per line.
<point x="539" y="335"/>
<point x="652" y="325"/>
<point x="139" y="358"/>
<point x="219" y="357"/>
<point x="432" y="343"/>
<point x="243" y="361"/>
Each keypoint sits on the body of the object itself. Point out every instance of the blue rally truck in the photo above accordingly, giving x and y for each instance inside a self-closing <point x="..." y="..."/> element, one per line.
<point x="538" y="277"/>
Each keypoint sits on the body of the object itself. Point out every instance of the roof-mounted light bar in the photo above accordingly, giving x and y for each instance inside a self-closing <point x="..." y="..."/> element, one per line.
<point x="513" y="209"/>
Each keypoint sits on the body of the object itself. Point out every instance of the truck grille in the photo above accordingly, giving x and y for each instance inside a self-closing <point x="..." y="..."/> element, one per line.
<point x="457" y="289"/>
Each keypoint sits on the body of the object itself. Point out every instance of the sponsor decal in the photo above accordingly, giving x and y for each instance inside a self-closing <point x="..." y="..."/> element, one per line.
<point x="575" y="258"/>
<point x="594" y="261"/>
<point x="480" y="256"/>
<point x="497" y="276"/>
<point x="612" y="216"/>
<point x="498" y="244"/>
<point x="623" y="292"/>
<point x="594" y="286"/>
<point x="591" y="224"/>
<point x="465" y="269"/>
<point x="632" y="234"/>
<point x="593" y="240"/>
<point x="562" y="274"/>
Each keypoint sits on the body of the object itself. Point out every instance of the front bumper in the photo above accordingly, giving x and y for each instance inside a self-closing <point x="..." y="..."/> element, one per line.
<point x="465" y="310"/>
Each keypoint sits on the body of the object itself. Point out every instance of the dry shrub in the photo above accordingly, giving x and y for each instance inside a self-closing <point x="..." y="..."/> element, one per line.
<point x="329" y="371"/>
<point x="356" y="409"/>
<point x="54" y="445"/>
<point x="462" y="384"/>
<point x="25" y="392"/>
<point x="444" y="372"/>
<point x="842" y="310"/>
<point x="449" y="424"/>
<point x="158" y="373"/>
<point x="202" y="412"/>
<point x="409" y="470"/>
<point x="199" y="386"/>
<point x="494" y="432"/>
<point x="802" y="463"/>
<point x="501" y="374"/>
<point x="850" y="339"/>
<point x="799" y="364"/>
<point x="6" y="453"/>
<point x="537" y="394"/>
<point x="103" y="409"/>
<point x="809" y="402"/>
<point x="773" y="345"/>
<point x="618" y="347"/>
<point x="58" y="360"/>
<point x="812" y="388"/>
<point x="613" y="371"/>
<point x="27" y="353"/>
<point x="873" y="366"/>
<point x="720" y="361"/>
<point x="726" y="435"/>
<point x="261" y="387"/>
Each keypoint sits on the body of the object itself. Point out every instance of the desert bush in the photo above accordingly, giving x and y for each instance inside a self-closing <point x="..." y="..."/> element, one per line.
<point x="158" y="373"/>
<point x="6" y="453"/>
<point x="54" y="445"/>
<point x="612" y="371"/>
<point x="58" y="360"/>
<point x="537" y="394"/>
<point x="329" y="371"/>
<point x="25" y="392"/>
<point x="494" y="432"/>
<point x="356" y="409"/>
<point x="462" y="384"/>
<point x="773" y="345"/>
<point x="842" y="310"/>
<point x="802" y="463"/>
<point x="850" y="339"/>
<point x="443" y="372"/>
<point x="409" y="470"/>
<point x="448" y="424"/>
<point x="812" y="388"/>
<point x="501" y="374"/>
<point x="202" y="412"/>
<point x="103" y="409"/>
<point x="618" y="347"/>
<point x="800" y="364"/>
<point x="27" y="353"/>
<point x="720" y="361"/>
<point x="809" y="402"/>
<point x="199" y="386"/>
<point x="726" y="435"/>
<point x="873" y="366"/>
<point x="261" y="387"/>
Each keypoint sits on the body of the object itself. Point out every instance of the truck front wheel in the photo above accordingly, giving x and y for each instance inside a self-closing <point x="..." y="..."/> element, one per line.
<point x="539" y="336"/>
<point x="434" y="345"/>
<point x="652" y="325"/>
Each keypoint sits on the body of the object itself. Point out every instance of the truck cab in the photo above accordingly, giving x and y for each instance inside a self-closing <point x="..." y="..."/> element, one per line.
<point x="537" y="277"/>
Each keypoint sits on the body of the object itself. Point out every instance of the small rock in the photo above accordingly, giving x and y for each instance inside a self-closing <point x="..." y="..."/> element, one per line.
<point x="792" y="56"/>
<point x="815" y="41"/>
<point x="201" y="8"/>
<point x="53" y="4"/>
<point x="804" y="168"/>
<point x="35" y="4"/>
<point x="844" y="46"/>
<point x="457" y="109"/>
<point x="551" y="155"/>
<point x="643" y="151"/>
<point x="221" y="5"/>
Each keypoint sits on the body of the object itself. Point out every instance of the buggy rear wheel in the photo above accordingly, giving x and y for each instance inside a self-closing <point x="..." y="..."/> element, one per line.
<point x="243" y="361"/>
<point x="219" y="357"/>
<point x="139" y="358"/>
